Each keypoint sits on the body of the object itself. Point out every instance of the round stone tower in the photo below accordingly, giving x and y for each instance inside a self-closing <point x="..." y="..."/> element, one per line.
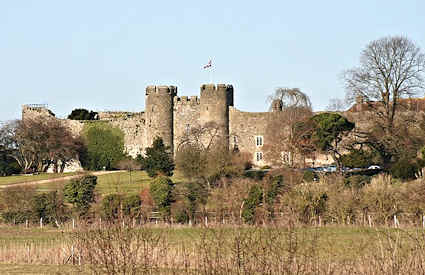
<point x="159" y="114"/>
<point x="215" y="102"/>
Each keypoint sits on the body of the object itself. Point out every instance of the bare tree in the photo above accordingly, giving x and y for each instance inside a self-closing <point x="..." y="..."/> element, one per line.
<point x="290" y="98"/>
<point x="390" y="68"/>
<point x="203" y="154"/>
<point x="37" y="144"/>
<point x="62" y="146"/>
<point x="281" y="147"/>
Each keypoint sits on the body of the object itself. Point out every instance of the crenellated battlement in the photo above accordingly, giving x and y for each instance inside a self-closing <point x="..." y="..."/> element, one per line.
<point x="187" y="100"/>
<point x="30" y="111"/>
<point x="161" y="90"/>
<point x="212" y="88"/>
<point x="221" y="92"/>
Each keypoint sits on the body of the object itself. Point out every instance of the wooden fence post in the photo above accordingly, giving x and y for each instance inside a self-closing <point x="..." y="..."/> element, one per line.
<point x="41" y="222"/>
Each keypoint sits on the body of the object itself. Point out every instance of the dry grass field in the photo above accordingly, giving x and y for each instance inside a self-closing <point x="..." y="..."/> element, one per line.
<point x="160" y="249"/>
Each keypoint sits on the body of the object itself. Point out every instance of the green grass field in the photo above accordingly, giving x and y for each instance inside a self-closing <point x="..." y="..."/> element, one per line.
<point x="22" y="178"/>
<point x="120" y="182"/>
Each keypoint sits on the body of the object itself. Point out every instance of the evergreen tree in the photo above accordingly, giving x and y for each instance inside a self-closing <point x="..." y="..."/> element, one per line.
<point x="83" y="114"/>
<point x="158" y="159"/>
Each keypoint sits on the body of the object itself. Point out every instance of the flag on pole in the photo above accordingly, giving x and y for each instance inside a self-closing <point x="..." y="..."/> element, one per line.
<point x="209" y="65"/>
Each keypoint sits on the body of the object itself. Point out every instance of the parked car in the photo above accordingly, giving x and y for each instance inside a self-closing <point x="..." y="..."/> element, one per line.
<point x="374" y="167"/>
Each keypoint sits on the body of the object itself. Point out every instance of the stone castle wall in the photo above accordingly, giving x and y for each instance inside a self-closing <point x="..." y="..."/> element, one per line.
<point x="133" y="125"/>
<point x="244" y="128"/>
<point x="171" y="117"/>
<point x="187" y="113"/>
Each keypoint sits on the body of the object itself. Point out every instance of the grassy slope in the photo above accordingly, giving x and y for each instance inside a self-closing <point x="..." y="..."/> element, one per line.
<point x="113" y="183"/>
<point x="21" y="178"/>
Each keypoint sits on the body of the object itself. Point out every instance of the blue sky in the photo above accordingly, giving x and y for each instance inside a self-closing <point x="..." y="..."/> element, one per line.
<point x="102" y="54"/>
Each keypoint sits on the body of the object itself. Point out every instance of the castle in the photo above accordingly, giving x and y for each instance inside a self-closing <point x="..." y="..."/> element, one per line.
<point x="171" y="117"/>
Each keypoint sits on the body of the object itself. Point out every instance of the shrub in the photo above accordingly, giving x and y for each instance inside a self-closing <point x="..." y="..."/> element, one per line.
<point x="382" y="198"/>
<point x="131" y="206"/>
<point x="15" y="203"/>
<point x="161" y="191"/>
<point x="404" y="169"/>
<point x="115" y="206"/>
<point x="111" y="206"/>
<point x="254" y="199"/>
<point x="180" y="212"/>
<point x="308" y="201"/>
<point x="80" y="193"/>
<point x="190" y="161"/>
<point x="189" y="196"/>
<point x="48" y="206"/>
<point x="275" y="186"/>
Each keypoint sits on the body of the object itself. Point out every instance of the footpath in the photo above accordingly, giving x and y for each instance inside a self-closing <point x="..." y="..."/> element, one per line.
<point x="98" y="173"/>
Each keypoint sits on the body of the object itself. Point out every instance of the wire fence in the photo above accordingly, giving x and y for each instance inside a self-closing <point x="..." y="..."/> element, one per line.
<point x="401" y="220"/>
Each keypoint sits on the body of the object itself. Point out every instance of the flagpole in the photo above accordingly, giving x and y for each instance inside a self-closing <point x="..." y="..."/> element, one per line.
<point x="209" y="68"/>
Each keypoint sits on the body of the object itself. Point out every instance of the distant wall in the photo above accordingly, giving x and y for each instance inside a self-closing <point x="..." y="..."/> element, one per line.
<point x="186" y="117"/>
<point x="133" y="127"/>
<point x="244" y="127"/>
<point x="171" y="117"/>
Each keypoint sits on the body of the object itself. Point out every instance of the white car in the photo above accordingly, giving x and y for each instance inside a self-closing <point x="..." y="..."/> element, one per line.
<point x="374" y="167"/>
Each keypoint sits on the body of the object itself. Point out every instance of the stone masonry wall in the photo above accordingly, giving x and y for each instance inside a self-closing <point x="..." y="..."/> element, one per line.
<point x="133" y="127"/>
<point x="244" y="127"/>
<point x="186" y="117"/>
